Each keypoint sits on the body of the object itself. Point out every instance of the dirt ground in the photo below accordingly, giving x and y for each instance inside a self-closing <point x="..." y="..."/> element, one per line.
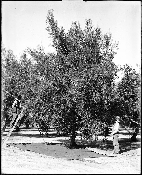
<point x="28" y="153"/>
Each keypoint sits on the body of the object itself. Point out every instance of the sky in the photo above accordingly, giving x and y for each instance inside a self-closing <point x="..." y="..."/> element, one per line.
<point x="24" y="23"/>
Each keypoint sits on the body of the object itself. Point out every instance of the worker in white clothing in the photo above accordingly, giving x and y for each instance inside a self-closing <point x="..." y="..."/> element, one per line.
<point x="115" y="133"/>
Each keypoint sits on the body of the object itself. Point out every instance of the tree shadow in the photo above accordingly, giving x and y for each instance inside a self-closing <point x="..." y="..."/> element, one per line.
<point x="58" y="150"/>
<point x="125" y="144"/>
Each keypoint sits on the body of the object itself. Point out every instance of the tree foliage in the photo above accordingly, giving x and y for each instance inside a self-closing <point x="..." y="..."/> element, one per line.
<point x="129" y="94"/>
<point x="85" y="76"/>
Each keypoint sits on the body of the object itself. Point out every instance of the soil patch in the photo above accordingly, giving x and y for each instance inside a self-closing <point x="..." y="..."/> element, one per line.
<point x="58" y="151"/>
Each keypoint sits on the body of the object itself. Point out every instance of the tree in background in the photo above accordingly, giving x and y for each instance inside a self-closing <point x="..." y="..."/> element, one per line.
<point x="9" y="79"/>
<point x="42" y="88"/>
<point x="16" y="76"/>
<point x="128" y="92"/>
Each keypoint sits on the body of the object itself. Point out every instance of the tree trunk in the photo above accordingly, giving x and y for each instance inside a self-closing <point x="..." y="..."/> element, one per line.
<point x="73" y="143"/>
<point x="4" y="121"/>
<point x="133" y="138"/>
<point x="27" y="124"/>
<point x="73" y="136"/>
<point x="73" y="127"/>
<point x="17" y="129"/>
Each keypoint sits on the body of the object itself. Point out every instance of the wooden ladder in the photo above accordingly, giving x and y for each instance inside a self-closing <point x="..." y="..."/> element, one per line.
<point x="11" y="130"/>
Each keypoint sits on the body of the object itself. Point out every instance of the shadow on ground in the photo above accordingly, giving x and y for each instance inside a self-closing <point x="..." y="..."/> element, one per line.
<point x="64" y="150"/>
<point x="125" y="144"/>
<point x="58" y="151"/>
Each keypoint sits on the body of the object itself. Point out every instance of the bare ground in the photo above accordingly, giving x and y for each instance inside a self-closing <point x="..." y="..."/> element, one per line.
<point x="32" y="154"/>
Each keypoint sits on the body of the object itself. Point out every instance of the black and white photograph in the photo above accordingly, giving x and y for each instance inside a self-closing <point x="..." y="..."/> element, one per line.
<point x="71" y="87"/>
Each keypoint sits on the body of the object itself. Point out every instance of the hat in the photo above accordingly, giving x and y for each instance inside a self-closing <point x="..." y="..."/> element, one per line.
<point x="117" y="118"/>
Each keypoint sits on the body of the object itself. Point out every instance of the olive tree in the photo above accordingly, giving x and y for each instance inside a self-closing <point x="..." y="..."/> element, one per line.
<point x="84" y="74"/>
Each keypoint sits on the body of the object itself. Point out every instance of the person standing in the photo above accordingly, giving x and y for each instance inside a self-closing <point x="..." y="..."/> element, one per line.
<point x="115" y="133"/>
